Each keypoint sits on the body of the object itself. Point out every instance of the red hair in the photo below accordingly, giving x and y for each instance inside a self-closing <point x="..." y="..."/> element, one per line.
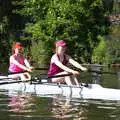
<point x="16" y="45"/>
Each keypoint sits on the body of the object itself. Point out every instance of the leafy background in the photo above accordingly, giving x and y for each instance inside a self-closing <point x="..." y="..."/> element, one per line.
<point x="39" y="23"/>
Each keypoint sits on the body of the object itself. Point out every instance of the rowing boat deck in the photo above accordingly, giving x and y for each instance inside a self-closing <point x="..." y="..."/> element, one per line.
<point x="93" y="91"/>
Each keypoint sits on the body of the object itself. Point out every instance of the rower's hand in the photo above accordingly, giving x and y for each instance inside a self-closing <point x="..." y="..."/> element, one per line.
<point x="75" y="72"/>
<point x="84" y="69"/>
<point x="32" y="68"/>
<point x="29" y="69"/>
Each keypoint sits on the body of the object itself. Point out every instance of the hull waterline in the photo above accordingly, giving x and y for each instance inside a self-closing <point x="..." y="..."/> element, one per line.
<point x="93" y="91"/>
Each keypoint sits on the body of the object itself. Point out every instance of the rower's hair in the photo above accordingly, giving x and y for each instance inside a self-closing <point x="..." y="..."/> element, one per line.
<point x="13" y="46"/>
<point x="13" y="51"/>
<point x="56" y="50"/>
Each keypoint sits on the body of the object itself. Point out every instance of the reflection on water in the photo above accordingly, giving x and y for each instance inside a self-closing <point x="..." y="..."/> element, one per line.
<point x="21" y="103"/>
<point x="32" y="107"/>
<point x="115" y="114"/>
<point x="55" y="107"/>
<point x="65" y="108"/>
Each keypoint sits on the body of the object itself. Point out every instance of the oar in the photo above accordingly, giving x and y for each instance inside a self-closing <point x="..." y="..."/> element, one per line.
<point x="7" y="78"/>
<point x="10" y="78"/>
<point x="56" y="76"/>
<point x="40" y="68"/>
<point x="48" y="79"/>
<point x="11" y="82"/>
<point x="12" y="73"/>
<point x="45" y="78"/>
<point x="40" y="80"/>
<point x="18" y="81"/>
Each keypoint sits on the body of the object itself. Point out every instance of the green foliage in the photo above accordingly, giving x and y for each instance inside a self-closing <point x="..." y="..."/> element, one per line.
<point x="108" y="49"/>
<point x="115" y="30"/>
<point x="78" y="22"/>
<point x="99" y="52"/>
<point x="113" y="49"/>
<point x="40" y="52"/>
<point x="4" y="32"/>
<point x="39" y="23"/>
<point x="112" y="54"/>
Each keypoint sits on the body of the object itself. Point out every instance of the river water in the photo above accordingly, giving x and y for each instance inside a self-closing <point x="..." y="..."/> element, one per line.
<point x="19" y="106"/>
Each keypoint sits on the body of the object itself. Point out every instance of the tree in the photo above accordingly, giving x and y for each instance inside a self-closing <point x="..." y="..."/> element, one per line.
<point x="79" y="22"/>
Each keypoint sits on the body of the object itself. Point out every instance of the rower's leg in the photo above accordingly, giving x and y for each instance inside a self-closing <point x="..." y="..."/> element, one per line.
<point x="15" y="76"/>
<point x="58" y="80"/>
<point x="25" y="76"/>
<point x="21" y="76"/>
<point x="75" y="80"/>
<point x="68" y="80"/>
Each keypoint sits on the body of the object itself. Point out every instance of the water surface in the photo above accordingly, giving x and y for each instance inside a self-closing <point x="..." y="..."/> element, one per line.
<point x="21" y="106"/>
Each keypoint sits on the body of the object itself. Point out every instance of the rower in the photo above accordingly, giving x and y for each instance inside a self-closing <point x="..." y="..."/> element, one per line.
<point x="18" y="63"/>
<point x="59" y="65"/>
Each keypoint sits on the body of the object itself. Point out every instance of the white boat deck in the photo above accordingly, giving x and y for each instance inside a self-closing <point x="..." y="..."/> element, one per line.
<point x="93" y="91"/>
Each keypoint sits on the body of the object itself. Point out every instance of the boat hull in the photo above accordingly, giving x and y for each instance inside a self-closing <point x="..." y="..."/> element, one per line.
<point x="93" y="91"/>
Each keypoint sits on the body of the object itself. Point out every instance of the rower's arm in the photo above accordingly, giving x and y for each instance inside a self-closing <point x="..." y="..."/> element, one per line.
<point x="76" y="64"/>
<point x="27" y="63"/>
<point x="13" y="60"/>
<point x="65" y="68"/>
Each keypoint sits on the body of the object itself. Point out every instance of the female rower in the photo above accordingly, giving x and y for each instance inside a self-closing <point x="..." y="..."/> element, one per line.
<point x="59" y="65"/>
<point x="18" y="63"/>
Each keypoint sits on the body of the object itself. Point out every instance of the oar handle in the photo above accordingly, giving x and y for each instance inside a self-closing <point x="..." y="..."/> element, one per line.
<point x="45" y="79"/>
<point x="16" y="81"/>
<point x="56" y="76"/>
<point x="12" y="73"/>
<point x="6" y="78"/>
<point x="41" y="68"/>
